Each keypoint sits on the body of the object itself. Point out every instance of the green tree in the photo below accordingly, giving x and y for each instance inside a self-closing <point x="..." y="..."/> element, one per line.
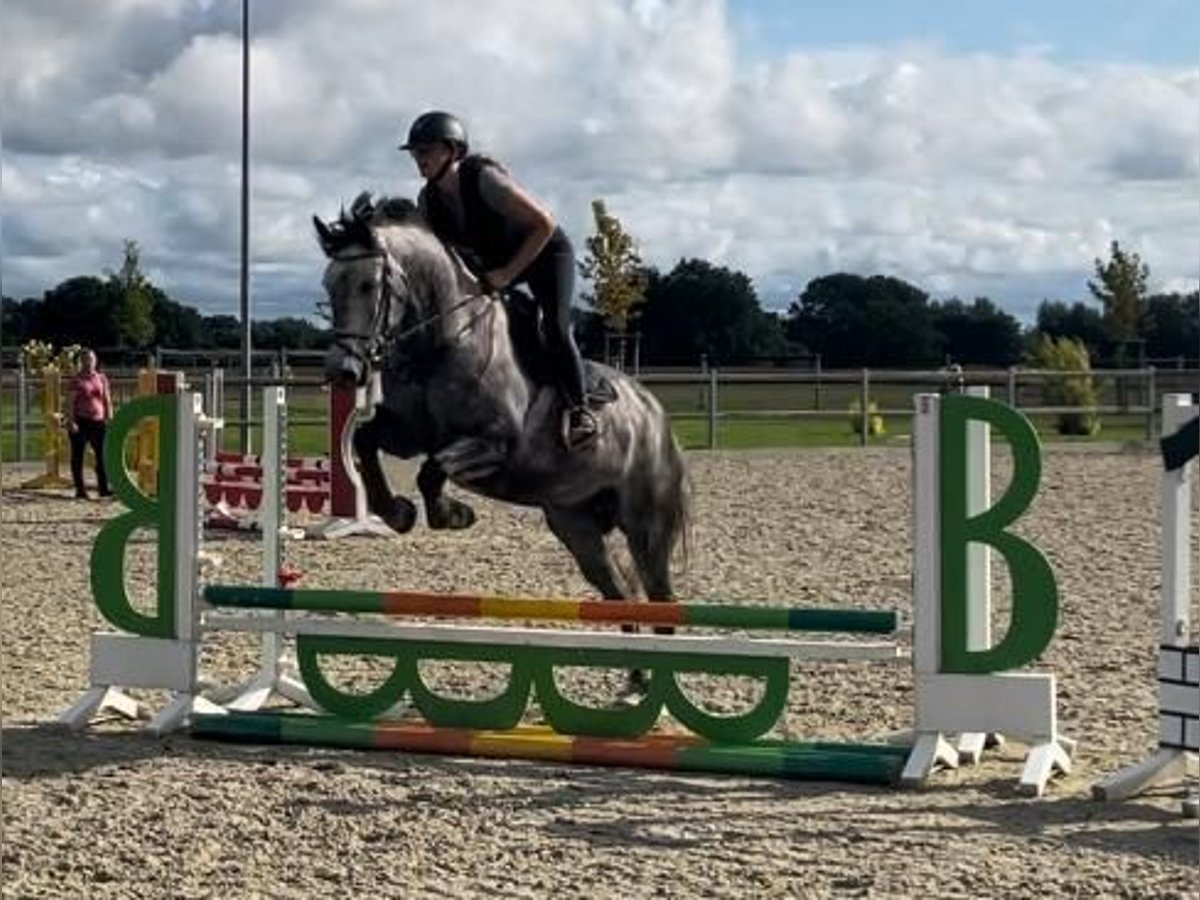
<point x="699" y="309"/>
<point x="19" y="317"/>
<point x="135" y="300"/>
<point x="1056" y="318"/>
<point x="614" y="268"/>
<point x="979" y="334"/>
<point x="176" y="325"/>
<point x="289" y="333"/>
<point x="1171" y="325"/>
<point x="855" y="321"/>
<point x="80" y="310"/>
<point x="1120" y="286"/>
<point x="222" y="332"/>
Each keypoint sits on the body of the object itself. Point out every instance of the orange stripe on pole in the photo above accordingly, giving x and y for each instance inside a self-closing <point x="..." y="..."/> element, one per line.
<point x="625" y="611"/>
<point x="651" y="754"/>
<point x="420" y="738"/>
<point x="429" y="603"/>
<point x="410" y="603"/>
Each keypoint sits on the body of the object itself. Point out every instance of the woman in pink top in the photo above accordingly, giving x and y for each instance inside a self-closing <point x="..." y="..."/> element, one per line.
<point x="87" y="419"/>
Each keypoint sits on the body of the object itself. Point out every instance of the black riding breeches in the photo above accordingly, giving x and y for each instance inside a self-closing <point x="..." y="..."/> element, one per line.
<point x="551" y="280"/>
<point x="89" y="433"/>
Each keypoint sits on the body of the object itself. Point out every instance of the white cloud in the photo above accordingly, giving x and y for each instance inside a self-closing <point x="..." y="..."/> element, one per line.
<point x="963" y="173"/>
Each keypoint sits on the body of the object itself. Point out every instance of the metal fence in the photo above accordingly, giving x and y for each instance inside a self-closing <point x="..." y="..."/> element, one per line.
<point x="709" y="401"/>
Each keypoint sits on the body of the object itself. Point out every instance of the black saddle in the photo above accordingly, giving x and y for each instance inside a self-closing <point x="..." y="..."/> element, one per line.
<point x="534" y="355"/>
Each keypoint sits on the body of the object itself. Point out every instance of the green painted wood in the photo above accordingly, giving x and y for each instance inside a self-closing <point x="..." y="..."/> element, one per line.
<point x="534" y="667"/>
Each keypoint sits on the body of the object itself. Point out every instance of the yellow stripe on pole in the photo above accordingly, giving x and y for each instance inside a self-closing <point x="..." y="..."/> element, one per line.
<point x="509" y="608"/>
<point x="526" y="745"/>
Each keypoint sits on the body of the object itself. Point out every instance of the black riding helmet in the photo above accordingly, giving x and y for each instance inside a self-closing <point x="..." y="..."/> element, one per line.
<point x="436" y="127"/>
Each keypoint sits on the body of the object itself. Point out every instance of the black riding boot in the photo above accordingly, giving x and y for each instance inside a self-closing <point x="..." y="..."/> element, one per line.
<point x="551" y="280"/>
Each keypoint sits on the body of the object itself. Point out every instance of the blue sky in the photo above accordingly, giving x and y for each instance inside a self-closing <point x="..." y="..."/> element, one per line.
<point x="972" y="149"/>
<point x="1159" y="31"/>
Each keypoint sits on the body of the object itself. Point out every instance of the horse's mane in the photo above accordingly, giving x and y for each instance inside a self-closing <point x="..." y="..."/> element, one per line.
<point x="397" y="211"/>
<point x="398" y="222"/>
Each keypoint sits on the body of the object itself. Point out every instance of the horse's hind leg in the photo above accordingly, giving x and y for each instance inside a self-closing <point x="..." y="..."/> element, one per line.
<point x="582" y="530"/>
<point x="652" y="557"/>
<point x="651" y="554"/>
<point x="582" y="533"/>
<point x="441" y="511"/>
<point x="653" y="521"/>
<point x="399" y="513"/>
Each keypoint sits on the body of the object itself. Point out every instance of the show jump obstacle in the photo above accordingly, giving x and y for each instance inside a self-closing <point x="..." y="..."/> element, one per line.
<point x="964" y="683"/>
<point x="232" y="483"/>
<point x="1178" y="652"/>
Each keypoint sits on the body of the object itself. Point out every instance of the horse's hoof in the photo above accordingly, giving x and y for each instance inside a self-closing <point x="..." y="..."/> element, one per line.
<point x="402" y="517"/>
<point x="635" y="689"/>
<point x="460" y="516"/>
<point x="452" y="516"/>
<point x="628" y="699"/>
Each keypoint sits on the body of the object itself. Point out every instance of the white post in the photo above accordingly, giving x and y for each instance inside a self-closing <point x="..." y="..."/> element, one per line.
<point x="930" y="750"/>
<point x="190" y="425"/>
<point x="1179" y="653"/>
<point x="272" y="463"/>
<point x="275" y="673"/>
<point x="214" y="404"/>
<point x="1177" y="529"/>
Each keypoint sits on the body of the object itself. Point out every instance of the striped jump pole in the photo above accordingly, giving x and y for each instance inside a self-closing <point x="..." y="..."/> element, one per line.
<point x="809" y="761"/>
<point x="461" y="606"/>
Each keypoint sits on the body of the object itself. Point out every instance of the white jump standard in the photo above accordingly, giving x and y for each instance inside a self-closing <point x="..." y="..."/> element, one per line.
<point x="1179" y="651"/>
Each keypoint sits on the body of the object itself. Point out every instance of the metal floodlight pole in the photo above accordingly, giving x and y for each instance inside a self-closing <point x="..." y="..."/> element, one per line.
<point x="244" y="274"/>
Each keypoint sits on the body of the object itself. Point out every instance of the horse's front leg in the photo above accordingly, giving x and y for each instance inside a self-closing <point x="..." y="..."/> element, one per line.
<point x="399" y="513"/>
<point x="441" y="511"/>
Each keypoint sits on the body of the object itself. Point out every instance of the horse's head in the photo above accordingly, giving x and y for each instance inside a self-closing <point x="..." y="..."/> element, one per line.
<point x="367" y="291"/>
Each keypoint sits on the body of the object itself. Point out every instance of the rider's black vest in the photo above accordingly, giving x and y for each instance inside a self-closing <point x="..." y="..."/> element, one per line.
<point x="485" y="240"/>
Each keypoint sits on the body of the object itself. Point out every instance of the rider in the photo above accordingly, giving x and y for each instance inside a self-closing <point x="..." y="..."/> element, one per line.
<point x="505" y="237"/>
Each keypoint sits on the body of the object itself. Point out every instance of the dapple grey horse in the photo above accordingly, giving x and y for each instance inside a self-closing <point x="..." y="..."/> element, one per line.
<point x="465" y="385"/>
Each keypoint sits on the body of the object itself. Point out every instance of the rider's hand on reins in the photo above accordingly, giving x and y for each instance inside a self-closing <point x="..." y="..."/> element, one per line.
<point x="495" y="281"/>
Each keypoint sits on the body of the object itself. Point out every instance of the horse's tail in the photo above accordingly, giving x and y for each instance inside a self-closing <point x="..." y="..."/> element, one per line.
<point x="678" y="500"/>
<point x="658" y="514"/>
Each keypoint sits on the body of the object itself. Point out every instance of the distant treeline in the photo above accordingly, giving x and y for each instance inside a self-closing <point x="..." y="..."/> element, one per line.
<point x="695" y="310"/>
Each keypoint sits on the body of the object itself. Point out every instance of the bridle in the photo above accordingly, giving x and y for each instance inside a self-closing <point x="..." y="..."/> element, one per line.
<point x="384" y="328"/>
<point x="367" y="347"/>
